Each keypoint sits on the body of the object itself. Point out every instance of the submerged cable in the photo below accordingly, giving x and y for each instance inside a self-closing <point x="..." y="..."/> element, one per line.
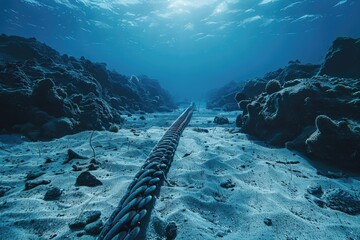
<point x="130" y="219"/>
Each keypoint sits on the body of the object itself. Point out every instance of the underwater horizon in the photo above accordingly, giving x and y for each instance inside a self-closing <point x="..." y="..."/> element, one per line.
<point x="191" y="47"/>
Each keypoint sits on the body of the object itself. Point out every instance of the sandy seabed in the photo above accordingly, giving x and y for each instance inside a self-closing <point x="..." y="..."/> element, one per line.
<point x="264" y="197"/>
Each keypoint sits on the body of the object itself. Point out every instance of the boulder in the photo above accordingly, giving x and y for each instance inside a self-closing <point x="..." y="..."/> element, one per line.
<point x="342" y="59"/>
<point x="336" y="142"/>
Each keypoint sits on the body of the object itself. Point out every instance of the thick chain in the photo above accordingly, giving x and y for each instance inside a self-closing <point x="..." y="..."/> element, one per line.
<point x="131" y="218"/>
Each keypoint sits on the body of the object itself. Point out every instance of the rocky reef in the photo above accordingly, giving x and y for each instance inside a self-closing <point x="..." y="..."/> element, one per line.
<point x="223" y="98"/>
<point x="317" y="115"/>
<point x="45" y="95"/>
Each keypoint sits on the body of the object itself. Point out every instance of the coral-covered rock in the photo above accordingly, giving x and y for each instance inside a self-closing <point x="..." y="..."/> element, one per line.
<point x="343" y="59"/>
<point x="316" y="115"/>
<point x="223" y="98"/>
<point x="272" y="86"/>
<point x="254" y="87"/>
<point x="287" y="117"/>
<point x="45" y="95"/>
<point x="337" y="142"/>
<point x="296" y="70"/>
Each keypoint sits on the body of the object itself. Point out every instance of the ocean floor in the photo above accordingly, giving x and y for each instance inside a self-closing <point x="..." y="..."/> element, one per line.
<point x="221" y="185"/>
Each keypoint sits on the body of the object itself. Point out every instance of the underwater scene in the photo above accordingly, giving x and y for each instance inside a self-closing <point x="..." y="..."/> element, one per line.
<point x="180" y="119"/>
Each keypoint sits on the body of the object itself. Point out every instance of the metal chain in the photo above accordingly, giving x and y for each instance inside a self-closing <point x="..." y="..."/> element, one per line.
<point x="131" y="218"/>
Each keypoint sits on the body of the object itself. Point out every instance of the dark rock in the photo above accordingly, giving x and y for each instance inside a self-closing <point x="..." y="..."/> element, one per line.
<point x="94" y="228"/>
<point x="228" y="184"/>
<point x="343" y="201"/>
<point x="296" y="70"/>
<point x="272" y="86"/>
<point x="53" y="193"/>
<point x="92" y="167"/>
<point x="58" y="127"/>
<point x="221" y="120"/>
<point x="315" y="190"/>
<point x="343" y="59"/>
<point x="142" y="118"/>
<point x="76" y="168"/>
<point x="254" y="87"/>
<point x="77" y="225"/>
<point x="290" y="117"/>
<point x="84" y="219"/>
<point x="200" y="130"/>
<point x="45" y="95"/>
<point x="240" y="96"/>
<point x="336" y="142"/>
<point x="114" y="128"/>
<point x="93" y="161"/>
<point x="34" y="174"/>
<point x="46" y="98"/>
<point x="71" y="154"/>
<point x="267" y="221"/>
<point x="223" y="98"/>
<point x="238" y="121"/>
<point x="87" y="179"/>
<point x="171" y="231"/>
<point x="32" y="184"/>
<point x="3" y="190"/>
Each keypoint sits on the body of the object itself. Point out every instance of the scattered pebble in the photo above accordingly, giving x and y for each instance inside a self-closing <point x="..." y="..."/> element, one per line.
<point x="53" y="193"/>
<point x="114" y="128"/>
<point x="315" y="190"/>
<point x="76" y="168"/>
<point x="267" y="221"/>
<point x="200" y="130"/>
<point x="73" y="155"/>
<point x="92" y="167"/>
<point x="221" y="234"/>
<point x="228" y="184"/>
<point x="87" y="179"/>
<point x="221" y="120"/>
<point x="171" y="231"/>
<point x="32" y="184"/>
<point x="3" y="190"/>
<point x="94" y="161"/>
<point x="34" y="174"/>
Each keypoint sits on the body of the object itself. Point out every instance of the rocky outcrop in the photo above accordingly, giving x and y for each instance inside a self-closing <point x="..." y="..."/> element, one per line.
<point x="287" y="117"/>
<point x="45" y="95"/>
<point x="318" y="116"/>
<point x="223" y="98"/>
<point x="342" y="59"/>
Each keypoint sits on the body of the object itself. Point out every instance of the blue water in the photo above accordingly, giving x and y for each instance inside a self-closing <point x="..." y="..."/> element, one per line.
<point x="190" y="46"/>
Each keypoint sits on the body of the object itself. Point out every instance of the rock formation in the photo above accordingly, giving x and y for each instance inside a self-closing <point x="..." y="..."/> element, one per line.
<point x="318" y="116"/>
<point x="45" y="95"/>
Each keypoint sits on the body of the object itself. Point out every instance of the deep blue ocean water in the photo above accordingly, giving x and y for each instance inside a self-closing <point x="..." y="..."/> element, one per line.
<point x="190" y="46"/>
